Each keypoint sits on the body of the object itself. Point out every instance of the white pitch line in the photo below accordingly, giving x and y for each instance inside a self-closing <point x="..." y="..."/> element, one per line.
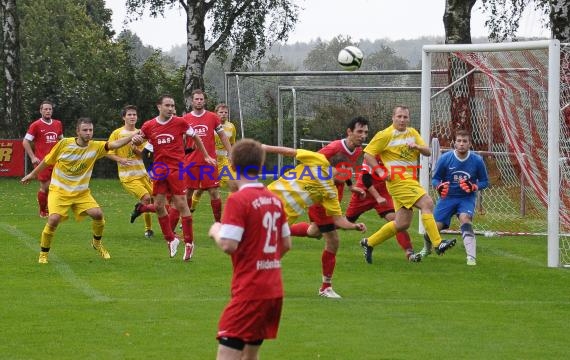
<point x="63" y="268"/>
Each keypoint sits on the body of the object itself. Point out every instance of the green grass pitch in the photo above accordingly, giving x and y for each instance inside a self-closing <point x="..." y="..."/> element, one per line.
<point x="143" y="305"/>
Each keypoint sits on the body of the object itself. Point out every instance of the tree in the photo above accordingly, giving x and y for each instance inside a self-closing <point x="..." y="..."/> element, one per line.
<point x="505" y="15"/>
<point x="244" y="29"/>
<point x="68" y="58"/>
<point x="457" y="22"/>
<point x="10" y="115"/>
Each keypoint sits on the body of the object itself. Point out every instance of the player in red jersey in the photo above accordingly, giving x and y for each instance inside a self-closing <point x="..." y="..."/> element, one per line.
<point x="41" y="137"/>
<point x="255" y="233"/>
<point x="378" y="198"/>
<point x="166" y="135"/>
<point x="203" y="175"/>
<point x="321" y="223"/>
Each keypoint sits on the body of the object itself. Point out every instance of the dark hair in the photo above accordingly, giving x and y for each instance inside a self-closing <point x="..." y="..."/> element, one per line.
<point x="247" y="156"/>
<point x="46" y="102"/>
<point x="357" y="120"/>
<point x="83" y="120"/>
<point x="127" y="108"/>
<point x="162" y="97"/>
<point x="462" y="132"/>
<point x="197" y="91"/>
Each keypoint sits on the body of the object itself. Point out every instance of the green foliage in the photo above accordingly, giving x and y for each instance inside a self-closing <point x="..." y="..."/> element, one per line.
<point x="504" y="16"/>
<point x="323" y="56"/>
<point x="68" y="59"/>
<point x="140" y="303"/>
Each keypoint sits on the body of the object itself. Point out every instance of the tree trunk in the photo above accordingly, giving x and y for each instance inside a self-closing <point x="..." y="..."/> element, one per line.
<point x="559" y="20"/>
<point x="457" y="22"/>
<point x="196" y="50"/>
<point x="11" y="127"/>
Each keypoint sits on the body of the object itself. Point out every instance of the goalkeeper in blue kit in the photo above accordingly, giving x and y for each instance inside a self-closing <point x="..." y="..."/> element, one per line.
<point x="458" y="175"/>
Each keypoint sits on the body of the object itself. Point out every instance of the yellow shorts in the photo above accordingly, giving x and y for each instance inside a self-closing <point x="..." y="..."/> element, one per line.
<point x="138" y="187"/>
<point x="405" y="193"/>
<point x="59" y="203"/>
<point x="224" y="170"/>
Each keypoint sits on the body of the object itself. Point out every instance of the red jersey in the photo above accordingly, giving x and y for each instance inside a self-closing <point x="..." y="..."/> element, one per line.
<point x="167" y="139"/>
<point x="379" y="185"/>
<point x="206" y="126"/>
<point x="339" y="147"/>
<point x="256" y="218"/>
<point x="44" y="136"/>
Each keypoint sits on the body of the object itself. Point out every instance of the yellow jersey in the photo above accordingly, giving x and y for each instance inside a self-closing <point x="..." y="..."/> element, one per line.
<point x="135" y="169"/>
<point x="392" y="146"/>
<point x="309" y="183"/>
<point x="73" y="165"/>
<point x="230" y="131"/>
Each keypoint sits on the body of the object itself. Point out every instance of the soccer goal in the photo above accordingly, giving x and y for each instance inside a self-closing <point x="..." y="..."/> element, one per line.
<point x="515" y="98"/>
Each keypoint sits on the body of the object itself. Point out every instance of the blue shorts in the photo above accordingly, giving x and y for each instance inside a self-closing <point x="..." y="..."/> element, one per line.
<point x="446" y="208"/>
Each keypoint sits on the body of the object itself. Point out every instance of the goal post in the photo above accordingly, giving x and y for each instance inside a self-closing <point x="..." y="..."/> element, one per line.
<point x="509" y="93"/>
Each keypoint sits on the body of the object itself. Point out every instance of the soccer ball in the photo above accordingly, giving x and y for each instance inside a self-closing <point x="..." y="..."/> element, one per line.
<point x="350" y="58"/>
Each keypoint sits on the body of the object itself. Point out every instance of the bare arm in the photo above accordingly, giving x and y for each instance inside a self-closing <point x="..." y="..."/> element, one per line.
<point x="424" y="150"/>
<point x="111" y="145"/>
<point x="28" y="147"/>
<point x="227" y="245"/>
<point x="200" y="145"/>
<point x="283" y="150"/>
<point x="226" y="141"/>
<point x="32" y="175"/>
<point x="343" y="223"/>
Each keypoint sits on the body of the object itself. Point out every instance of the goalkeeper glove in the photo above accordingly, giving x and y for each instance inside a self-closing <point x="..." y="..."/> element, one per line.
<point x="443" y="189"/>
<point x="468" y="186"/>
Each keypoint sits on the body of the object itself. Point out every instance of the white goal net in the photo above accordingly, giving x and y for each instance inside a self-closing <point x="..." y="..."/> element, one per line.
<point x="516" y="101"/>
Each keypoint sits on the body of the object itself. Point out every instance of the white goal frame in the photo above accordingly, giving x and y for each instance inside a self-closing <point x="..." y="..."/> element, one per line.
<point x="553" y="46"/>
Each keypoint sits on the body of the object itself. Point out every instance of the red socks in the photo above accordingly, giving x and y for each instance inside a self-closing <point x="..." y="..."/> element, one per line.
<point x="299" y="229"/>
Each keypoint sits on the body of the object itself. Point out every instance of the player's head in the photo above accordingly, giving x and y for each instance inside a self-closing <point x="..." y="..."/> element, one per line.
<point x="84" y="129"/>
<point x="247" y="157"/>
<point x="462" y="141"/>
<point x="198" y="99"/>
<point x="166" y="106"/>
<point x="357" y="130"/>
<point x="46" y="109"/>
<point x="129" y="114"/>
<point x="223" y="111"/>
<point x="400" y="117"/>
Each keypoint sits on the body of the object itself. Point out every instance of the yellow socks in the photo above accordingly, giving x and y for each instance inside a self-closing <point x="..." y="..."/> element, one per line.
<point x="385" y="232"/>
<point x="431" y="229"/>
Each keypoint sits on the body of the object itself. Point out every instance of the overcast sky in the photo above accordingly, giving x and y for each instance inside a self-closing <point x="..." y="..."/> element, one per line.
<point x="325" y="19"/>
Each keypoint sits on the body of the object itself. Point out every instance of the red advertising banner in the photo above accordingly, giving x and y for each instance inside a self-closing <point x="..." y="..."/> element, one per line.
<point x="11" y="158"/>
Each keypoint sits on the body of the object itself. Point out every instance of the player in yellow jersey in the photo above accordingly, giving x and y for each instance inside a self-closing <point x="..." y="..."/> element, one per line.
<point x="312" y="182"/>
<point x="224" y="168"/>
<point x="132" y="172"/>
<point x="73" y="160"/>
<point x="400" y="147"/>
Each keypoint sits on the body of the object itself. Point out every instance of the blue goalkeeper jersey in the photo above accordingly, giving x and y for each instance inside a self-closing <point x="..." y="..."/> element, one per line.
<point x="450" y="168"/>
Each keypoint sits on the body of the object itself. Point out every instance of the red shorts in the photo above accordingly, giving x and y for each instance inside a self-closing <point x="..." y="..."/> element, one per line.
<point x="318" y="214"/>
<point x="202" y="176"/>
<point x="251" y="320"/>
<point x="172" y="184"/>
<point x="45" y="174"/>
<point x="358" y="206"/>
